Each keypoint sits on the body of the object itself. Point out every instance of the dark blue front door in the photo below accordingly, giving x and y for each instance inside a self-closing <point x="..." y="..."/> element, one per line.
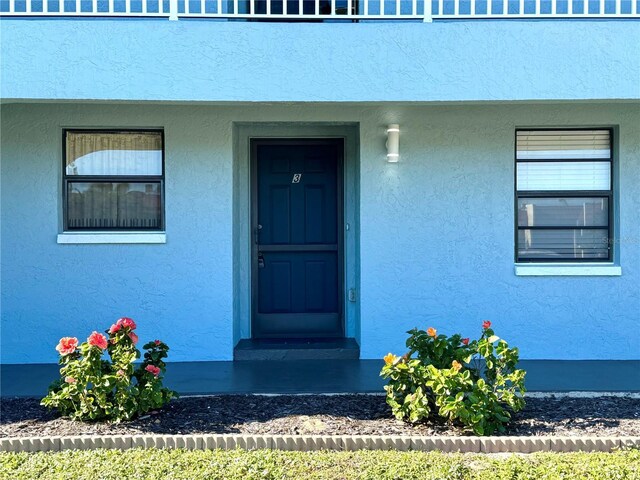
<point x="297" y="240"/>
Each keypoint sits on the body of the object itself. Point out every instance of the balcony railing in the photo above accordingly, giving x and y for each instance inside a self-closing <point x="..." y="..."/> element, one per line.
<point x="325" y="10"/>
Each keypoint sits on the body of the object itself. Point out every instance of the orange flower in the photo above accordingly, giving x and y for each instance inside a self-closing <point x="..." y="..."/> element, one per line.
<point x="456" y="365"/>
<point x="431" y="332"/>
<point x="390" y="359"/>
<point x="465" y="341"/>
<point x="486" y="324"/>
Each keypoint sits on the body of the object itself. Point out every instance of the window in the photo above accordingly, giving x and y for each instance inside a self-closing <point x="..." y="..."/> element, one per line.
<point x="564" y="195"/>
<point x="113" y="181"/>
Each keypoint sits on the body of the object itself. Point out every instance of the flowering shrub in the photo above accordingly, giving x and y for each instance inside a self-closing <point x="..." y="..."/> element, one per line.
<point x="92" y="388"/>
<point x="473" y="383"/>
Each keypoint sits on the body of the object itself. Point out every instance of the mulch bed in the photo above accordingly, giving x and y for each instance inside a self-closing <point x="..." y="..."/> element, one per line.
<point x="322" y="415"/>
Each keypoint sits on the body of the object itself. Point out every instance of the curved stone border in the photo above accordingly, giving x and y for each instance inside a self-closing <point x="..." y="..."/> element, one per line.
<point x="322" y="442"/>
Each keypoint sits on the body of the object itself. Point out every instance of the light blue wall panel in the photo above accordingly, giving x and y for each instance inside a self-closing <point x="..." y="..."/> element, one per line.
<point x="437" y="239"/>
<point x="179" y="292"/>
<point x="436" y="233"/>
<point x="202" y="60"/>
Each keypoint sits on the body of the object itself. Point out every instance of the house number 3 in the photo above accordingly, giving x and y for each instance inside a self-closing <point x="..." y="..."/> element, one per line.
<point x="296" y="178"/>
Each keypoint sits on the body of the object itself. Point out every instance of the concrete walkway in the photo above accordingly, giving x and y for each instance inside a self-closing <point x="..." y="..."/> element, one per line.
<point x="331" y="376"/>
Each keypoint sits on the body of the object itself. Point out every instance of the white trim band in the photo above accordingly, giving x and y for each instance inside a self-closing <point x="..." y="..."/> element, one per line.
<point x="111" y="238"/>
<point x="568" y="270"/>
<point x="302" y="443"/>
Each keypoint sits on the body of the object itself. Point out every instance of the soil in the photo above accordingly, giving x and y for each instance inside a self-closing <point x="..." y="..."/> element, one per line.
<point x="321" y="415"/>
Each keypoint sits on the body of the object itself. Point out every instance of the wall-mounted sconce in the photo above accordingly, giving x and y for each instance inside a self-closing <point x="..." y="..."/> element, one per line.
<point x="393" y="143"/>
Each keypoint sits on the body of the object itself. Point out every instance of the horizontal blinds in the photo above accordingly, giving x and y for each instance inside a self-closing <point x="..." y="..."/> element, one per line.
<point x="563" y="160"/>
<point x="562" y="244"/>
<point x="564" y="176"/>
<point x="563" y="144"/>
<point x="563" y="182"/>
<point x="563" y="212"/>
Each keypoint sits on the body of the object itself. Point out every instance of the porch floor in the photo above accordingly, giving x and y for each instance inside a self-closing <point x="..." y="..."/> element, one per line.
<point x="332" y="376"/>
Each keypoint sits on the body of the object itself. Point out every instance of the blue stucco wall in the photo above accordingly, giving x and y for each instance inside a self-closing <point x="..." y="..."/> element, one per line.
<point x="190" y="60"/>
<point x="436" y="233"/>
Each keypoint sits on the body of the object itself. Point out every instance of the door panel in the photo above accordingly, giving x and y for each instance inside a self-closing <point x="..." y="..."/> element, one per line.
<point x="298" y="282"/>
<point x="277" y="216"/>
<point x="297" y="247"/>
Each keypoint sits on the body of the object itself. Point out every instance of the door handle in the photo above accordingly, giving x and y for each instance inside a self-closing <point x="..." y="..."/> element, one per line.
<point x="256" y="234"/>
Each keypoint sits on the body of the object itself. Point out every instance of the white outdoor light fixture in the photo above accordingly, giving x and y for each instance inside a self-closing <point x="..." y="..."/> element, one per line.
<point x="393" y="143"/>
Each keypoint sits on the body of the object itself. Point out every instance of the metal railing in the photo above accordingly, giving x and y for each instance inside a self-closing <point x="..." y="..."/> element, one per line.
<point x="325" y="10"/>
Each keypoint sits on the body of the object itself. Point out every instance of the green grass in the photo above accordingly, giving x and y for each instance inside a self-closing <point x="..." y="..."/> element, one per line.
<point x="267" y="464"/>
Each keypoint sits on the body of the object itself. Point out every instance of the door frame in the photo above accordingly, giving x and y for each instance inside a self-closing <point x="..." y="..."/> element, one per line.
<point x="240" y="210"/>
<point x="254" y="143"/>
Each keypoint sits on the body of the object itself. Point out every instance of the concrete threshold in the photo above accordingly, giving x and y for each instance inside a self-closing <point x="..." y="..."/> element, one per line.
<point x="323" y="442"/>
<point x="296" y="350"/>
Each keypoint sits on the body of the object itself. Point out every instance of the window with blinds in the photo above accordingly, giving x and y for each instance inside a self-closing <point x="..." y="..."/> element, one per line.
<point x="564" y="195"/>
<point x="113" y="180"/>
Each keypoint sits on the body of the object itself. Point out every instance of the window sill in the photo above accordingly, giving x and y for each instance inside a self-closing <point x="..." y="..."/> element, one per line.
<point x="568" y="270"/>
<point x="69" y="238"/>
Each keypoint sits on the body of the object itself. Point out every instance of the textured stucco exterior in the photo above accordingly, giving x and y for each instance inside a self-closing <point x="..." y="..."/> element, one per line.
<point x="190" y="60"/>
<point x="435" y="232"/>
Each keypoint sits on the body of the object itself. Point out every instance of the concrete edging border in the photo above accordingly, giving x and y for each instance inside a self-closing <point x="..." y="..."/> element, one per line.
<point x="322" y="442"/>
